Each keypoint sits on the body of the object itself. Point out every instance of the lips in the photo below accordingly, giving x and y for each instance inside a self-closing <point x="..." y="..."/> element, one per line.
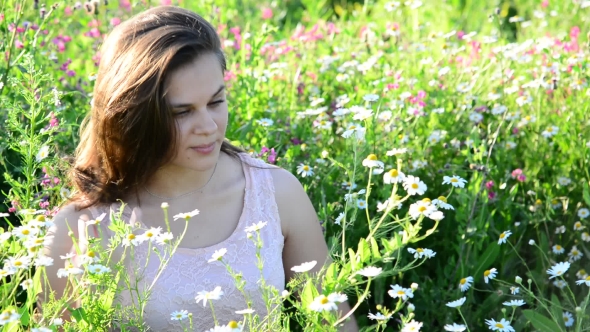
<point x="204" y="148"/>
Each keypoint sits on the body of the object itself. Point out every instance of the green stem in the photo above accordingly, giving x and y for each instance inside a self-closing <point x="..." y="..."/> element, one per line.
<point x="462" y="317"/>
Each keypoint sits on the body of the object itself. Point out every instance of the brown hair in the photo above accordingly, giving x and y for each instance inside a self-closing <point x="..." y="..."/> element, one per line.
<point x="130" y="131"/>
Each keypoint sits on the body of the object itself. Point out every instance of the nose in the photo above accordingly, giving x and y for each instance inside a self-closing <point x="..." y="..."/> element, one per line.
<point x="204" y="123"/>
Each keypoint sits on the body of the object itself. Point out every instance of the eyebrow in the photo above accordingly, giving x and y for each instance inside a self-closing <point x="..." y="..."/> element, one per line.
<point x="221" y="88"/>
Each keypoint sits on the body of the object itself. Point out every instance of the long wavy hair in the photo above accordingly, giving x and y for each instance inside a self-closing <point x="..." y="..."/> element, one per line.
<point x="130" y="132"/>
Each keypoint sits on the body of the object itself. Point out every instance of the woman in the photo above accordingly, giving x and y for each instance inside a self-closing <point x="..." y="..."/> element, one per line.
<point x="156" y="133"/>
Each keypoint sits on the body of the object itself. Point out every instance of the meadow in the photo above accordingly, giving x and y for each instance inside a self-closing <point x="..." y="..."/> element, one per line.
<point x="444" y="144"/>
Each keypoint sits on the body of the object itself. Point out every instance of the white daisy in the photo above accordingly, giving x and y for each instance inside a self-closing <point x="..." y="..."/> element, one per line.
<point x="43" y="153"/>
<point x="179" y="315"/>
<point x="96" y="221"/>
<point x="422" y="252"/>
<point x="305" y="267"/>
<point x="397" y="291"/>
<point x="502" y="326"/>
<point x="8" y="316"/>
<point x="504" y="236"/>
<point x="550" y="131"/>
<point x="355" y="129"/>
<point x="265" y="122"/>
<point x="361" y="204"/>
<point x="245" y="311"/>
<point x="457" y="303"/>
<point x="413" y="185"/>
<point x="441" y="202"/>
<point x="97" y="269"/>
<point x="585" y="237"/>
<point x="27" y="284"/>
<point x="131" y="239"/>
<point x="514" y="290"/>
<point x="421" y="208"/>
<point x="437" y="216"/>
<point x="455" y="181"/>
<point x="396" y="151"/>
<point x="378" y="316"/>
<point x="69" y="269"/>
<point x="186" y="215"/>
<point x="412" y="326"/>
<point x="574" y="254"/>
<point x="455" y="327"/>
<point x="370" y="271"/>
<point x="22" y="262"/>
<point x="578" y="226"/>
<point x="213" y="295"/>
<point x="338" y="219"/>
<point x="475" y="117"/>
<point x="393" y="176"/>
<point x="304" y="170"/>
<point x="557" y="249"/>
<point x="583" y="213"/>
<point x="327" y="303"/>
<point x="514" y="303"/>
<point x="564" y="181"/>
<point x="43" y="261"/>
<point x="465" y="283"/>
<point x="490" y="274"/>
<point x="150" y="235"/>
<point x="164" y="238"/>
<point x="217" y="255"/>
<point x="559" y="283"/>
<point x="584" y="281"/>
<point x="558" y="269"/>
<point x="256" y="227"/>
<point x="568" y="319"/>
<point x="370" y="97"/>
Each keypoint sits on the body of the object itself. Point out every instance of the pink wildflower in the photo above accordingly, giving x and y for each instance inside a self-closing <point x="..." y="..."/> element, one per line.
<point x="267" y="13"/>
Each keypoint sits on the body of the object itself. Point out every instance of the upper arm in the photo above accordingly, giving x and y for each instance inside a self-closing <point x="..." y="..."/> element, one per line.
<point x="304" y="239"/>
<point x="61" y="243"/>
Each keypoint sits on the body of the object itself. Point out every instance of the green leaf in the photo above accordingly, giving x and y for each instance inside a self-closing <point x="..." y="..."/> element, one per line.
<point x="352" y="258"/>
<point x="557" y="310"/>
<point x="364" y="251"/>
<point x="540" y="322"/>
<point x="375" y="249"/>
<point x="309" y="293"/>
<point x="486" y="260"/>
<point x="586" y="194"/>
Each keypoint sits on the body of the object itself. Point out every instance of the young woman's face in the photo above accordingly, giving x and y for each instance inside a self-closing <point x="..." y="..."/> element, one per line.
<point x="197" y="95"/>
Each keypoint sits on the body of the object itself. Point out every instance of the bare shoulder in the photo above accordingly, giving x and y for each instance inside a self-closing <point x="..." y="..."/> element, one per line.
<point x="292" y="200"/>
<point x="66" y="220"/>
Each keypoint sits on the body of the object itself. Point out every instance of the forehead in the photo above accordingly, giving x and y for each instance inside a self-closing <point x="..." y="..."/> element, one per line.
<point x="196" y="82"/>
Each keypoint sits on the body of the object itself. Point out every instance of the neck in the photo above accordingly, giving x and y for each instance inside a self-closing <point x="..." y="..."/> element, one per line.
<point x="173" y="182"/>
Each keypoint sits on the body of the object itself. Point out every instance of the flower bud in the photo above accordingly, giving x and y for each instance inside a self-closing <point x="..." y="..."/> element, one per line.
<point x="165" y="205"/>
<point x="518" y="279"/>
<point x="414" y="286"/>
<point x="578" y="310"/>
<point x="531" y="242"/>
<point x="529" y="281"/>
<point x="411" y="307"/>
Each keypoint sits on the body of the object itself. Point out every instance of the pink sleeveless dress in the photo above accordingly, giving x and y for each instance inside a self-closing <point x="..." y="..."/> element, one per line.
<point x="189" y="272"/>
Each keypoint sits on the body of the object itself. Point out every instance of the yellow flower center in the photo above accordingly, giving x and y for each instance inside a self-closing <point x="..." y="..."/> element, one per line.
<point x="554" y="201"/>
<point x="40" y="218"/>
<point x="420" y="250"/>
<point x="502" y="235"/>
<point x="233" y="324"/>
<point x="305" y="168"/>
<point x="487" y="273"/>
<point x="372" y="157"/>
<point x="582" y="272"/>
<point x="400" y="136"/>
<point x="422" y="208"/>
<point x="352" y="128"/>
<point x="324" y="300"/>
<point x="575" y="253"/>
<point x="499" y="325"/>
<point x="587" y="278"/>
<point x="538" y="202"/>
<point x="578" y="224"/>
<point x="401" y="292"/>
<point x="178" y="315"/>
<point x="549" y="129"/>
<point x="463" y="281"/>
<point x="393" y="173"/>
<point x="91" y="254"/>
<point x="361" y="203"/>
<point x="528" y="118"/>
<point x="454" y="180"/>
<point x="559" y="273"/>
<point x="414" y="186"/>
<point x="26" y="232"/>
<point x="33" y="249"/>
<point x="442" y="198"/>
<point x="558" y="247"/>
<point x="149" y="234"/>
<point x="18" y="263"/>
<point x="426" y="200"/>
<point x="131" y="237"/>
<point x="565" y="318"/>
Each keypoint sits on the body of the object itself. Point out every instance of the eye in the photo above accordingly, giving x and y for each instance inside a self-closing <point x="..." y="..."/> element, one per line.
<point x="217" y="103"/>
<point x="181" y="113"/>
